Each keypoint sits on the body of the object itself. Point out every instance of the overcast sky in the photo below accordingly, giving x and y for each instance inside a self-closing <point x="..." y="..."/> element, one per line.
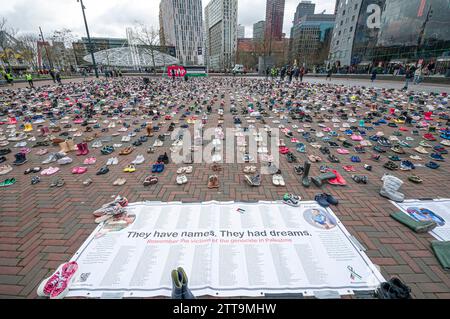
<point x="109" y="18"/>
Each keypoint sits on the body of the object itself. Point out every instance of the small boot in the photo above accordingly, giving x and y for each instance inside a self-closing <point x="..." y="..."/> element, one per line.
<point x="306" y="181"/>
<point x="20" y="159"/>
<point x="318" y="181"/>
<point x="71" y="146"/>
<point x="149" y="129"/>
<point x="80" y="149"/>
<point x="390" y="188"/>
<point x="64" y="147"/>
<point x="187" y="294"/>
<point x="85" y="149"/>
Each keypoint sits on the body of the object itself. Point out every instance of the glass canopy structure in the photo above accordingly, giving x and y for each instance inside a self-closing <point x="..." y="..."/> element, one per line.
<point x="132" y="57"/>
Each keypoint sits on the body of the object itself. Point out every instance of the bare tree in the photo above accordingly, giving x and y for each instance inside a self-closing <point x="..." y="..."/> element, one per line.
<point x="147" y="39"/>
<point x="64" y="35"/>
<point x="62" y="39"/>
<point x="8" y="45"/>
<point x="29" y="48"/>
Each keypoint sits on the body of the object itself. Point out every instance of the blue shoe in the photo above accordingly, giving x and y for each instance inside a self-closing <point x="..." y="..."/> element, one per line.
<point x="406" y="166"/>
<point x="154" y="168"/>
<point x="348" y="132"/>
<point x="432" y="165"/>
<point x="437" y="157"/>
<point x="301" y="148"/>
<point x="356" y="159"/>
<point x="160" y="168"/>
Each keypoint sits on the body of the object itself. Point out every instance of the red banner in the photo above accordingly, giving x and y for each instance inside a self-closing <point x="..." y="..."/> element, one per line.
<point x="179" y="70"/>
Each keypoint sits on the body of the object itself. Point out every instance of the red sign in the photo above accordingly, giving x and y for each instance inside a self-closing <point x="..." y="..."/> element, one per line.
<point x="179" y="70"/>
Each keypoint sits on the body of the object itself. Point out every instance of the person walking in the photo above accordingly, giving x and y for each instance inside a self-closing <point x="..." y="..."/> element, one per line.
<point x="296" y="73"/>
<point x="58" y="77"/>
<point x="267" y="73"/>
<point x="329" y="73"/>
<point x="418" y="75"/>
<point x="290" y="73"/>
<point x="29" y="78"/>
<point x="302" y="73"/>
<point x="9" y="78"/>
<point x="53" y="75"/>
<point x="374" y="74"/>
<point x="409" y="75"/>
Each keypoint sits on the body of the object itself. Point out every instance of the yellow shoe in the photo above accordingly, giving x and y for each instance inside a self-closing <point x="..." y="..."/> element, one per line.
<point x="28" y="127"/>
<point x="130" y="169"/>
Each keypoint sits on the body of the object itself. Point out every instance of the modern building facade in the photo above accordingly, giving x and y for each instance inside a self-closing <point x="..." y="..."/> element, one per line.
<point x="258" y="30"/>
<point x="391" y="32"/>
<point x="221" y="33"/>
<point x="304" y="8"/>
<point x="344" y="31"/>
<point x="274" y="19"/>
<point x="310" y="39"/>
<point x="182" y="24"/>
<point x="240" y="31"/>
<point x="336" y="6"/>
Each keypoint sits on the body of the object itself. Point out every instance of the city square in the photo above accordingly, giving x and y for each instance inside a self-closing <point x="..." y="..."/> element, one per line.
<point x="124" y="177"/>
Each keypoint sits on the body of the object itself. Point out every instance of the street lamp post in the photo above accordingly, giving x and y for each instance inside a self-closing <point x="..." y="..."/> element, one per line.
<point x="89" y="38"/>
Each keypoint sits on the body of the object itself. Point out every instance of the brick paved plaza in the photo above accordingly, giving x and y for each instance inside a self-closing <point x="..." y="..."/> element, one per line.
<point x="42" y="227"/>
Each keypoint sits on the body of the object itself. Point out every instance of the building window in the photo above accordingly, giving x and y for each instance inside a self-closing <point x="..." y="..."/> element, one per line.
<point x="343" y="13"/>
<point x="339" y="33"/>
<point x="337" y="42"/>
<point x="351" y="29"/>
<point x="353" y="18"/>
<point x="342" y="22"/>
<point x="356" y="6"/>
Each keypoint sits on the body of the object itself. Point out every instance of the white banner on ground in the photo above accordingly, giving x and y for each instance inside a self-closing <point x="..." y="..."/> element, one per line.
<point x="226" y="248"/>
<point x="437" y="210"/>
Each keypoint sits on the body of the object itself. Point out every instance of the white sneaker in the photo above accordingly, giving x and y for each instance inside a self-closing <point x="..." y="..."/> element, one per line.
<point x="65" y="160"/>
<point x="115" y="161"/>
<point x="126" y="138"/>
<point x="21" y="144"/>
<point x="139" y="160"/>
<point x="97" y="144"/>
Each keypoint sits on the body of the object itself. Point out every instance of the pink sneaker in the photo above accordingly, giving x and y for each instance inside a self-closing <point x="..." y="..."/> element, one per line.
<point x="42" y="152"/>
<point x="61" y="288"/>
<point x="357" y="137"/>
<point x="90" y="161"/>
<point x="342" y="151"/>
<point x="50" y="171"/>
<point x="47" y="285"/>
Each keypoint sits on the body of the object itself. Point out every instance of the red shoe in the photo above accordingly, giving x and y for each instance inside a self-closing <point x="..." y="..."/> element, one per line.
<point x="12" y="120"/>
<point x="349" y="168"/>
<point x="339" y="180"/>
<point x="404" y="129"/>
<point x="80" y="149"/>
<point x="429" y="137"/>
<point x="85" y="149"/>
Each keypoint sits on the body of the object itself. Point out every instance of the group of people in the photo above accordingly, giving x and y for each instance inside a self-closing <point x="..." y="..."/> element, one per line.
<point x="286" y="72"/>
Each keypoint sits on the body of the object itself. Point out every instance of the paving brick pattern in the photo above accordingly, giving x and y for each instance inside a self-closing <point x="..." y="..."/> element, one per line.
<point x="42" y="227"/>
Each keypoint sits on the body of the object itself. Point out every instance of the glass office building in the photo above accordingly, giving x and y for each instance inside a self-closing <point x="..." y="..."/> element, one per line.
<point x="405" y="31"/>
